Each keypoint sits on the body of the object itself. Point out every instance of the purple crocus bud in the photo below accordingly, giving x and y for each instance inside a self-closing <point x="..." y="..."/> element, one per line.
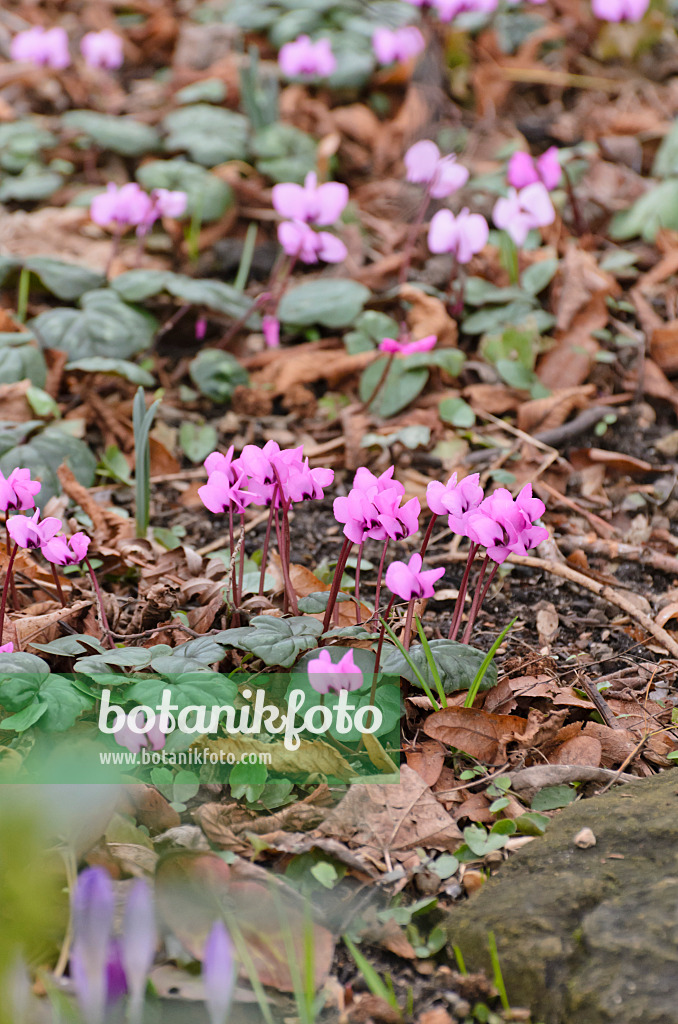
<point x="102" y="49"/>
<point x="29" y="532"/>
<point x="139" y="942"/>
<point x="305" y="59"/>
<point x="463" y="235"/>
<point x="7" y="648"/>
<point x="619" y="10"/>
<point x="17" y="491"/>
<point x="270" y="325"/>
<point x="218" y="973"/>
<point x="408" y="348"/>
<point x="116" y="978"/>
<point x="92" y="917"/>
<point x="45" y="48"/>
<point x="519" y="212"/>
<point x="324" y="675"/>
<point x="310" y="202"/>
<point x="63" y="551"/>
<point x="122" y="208"/>
<point x="408" y="580"/>
<point x="302" y="242"/>
<point x="170" y="203"/>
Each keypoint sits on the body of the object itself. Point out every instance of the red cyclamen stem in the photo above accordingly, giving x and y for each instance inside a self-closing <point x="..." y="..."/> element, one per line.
<point x="408" y="625"/>
<point x="336" y="582"/>
<point x="267" y="539"/>
<point x="461" y="596"/>
<point x="57" y="583"/>
<point x="476" y="601"/>
<point x="100" y="601"/>
<point x="427" y="535"/>
<point x="358" y="616"/>
<point x="380" y="573"/>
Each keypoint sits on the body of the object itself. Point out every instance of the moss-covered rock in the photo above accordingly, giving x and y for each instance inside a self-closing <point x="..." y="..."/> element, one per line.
<point x="588" y="936"/>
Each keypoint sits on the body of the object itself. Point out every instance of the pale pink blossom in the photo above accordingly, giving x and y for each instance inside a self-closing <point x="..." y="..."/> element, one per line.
<point x="7" y="648"/>
<point x="122" y="208"/>
<point x="30" y="531"/>
<point x="324" y="675"/>
<point x="169" y="203"/>
<point x="463" y="235"/>
<point x="17" y="491"/>
<point x="455" y="500"/>
<point x="311" y="203"/>
<point x="47" y="48"/>
<point x="102" y="49"/>
<point x="66" y="551"/>
<point x="520" y="212"/>
<point x="524" y="170"/>
<point x="397" y="45"/>
<point x="442" y="175"/>
<point x="270" y="326"/>
<point x="408" y="579"/>
<point x="301" y="242"/>
<point x="154" y="737"/>
<point x="619" y="10"/>
<point x="303" y="58"/>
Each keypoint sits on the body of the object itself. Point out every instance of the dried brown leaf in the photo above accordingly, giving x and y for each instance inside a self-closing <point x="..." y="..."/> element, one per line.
<point x="476" y="732"/>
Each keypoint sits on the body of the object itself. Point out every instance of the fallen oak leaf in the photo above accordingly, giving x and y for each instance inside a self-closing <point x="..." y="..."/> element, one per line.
<point x="478" y="733"/>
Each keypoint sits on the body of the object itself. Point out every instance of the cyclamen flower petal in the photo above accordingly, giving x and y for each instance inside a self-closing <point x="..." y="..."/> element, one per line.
<point x="128" y="206"/>
<point x="448" y="178"/>
<point x="443" y="175"/>
<point x="102" y="49"/>
<point x="7" y="648"/>
<point x="305" y="59"/>
<point x="506" y="526"/>
<point x="224" y="463"/>
<point x="454" y="499"/>
<point x="464" y="235"/>
<point x="397" y="45"/>
<point x="521" y="170"/>
<point x="134" y="741"/>
<point x="45" y="48"/>
<point x="66" y="551"/>
<point x="619" y="10"/>
<point x="170" y="203"/>
<point x="270" y="325"/>
<point x="519" y="212"/>
<point x="219" y="493"/>
<point x="310" y="203"/>
<point x="324" y="675"/>
<point x="407" y="348"/>
<point x="450" y="9"/>
<point x="218" y="973"/>
<point x="408" y="580"/>
<point x="30" y="532"/>
<point x="301" y="241"/>
<point x="17" y="491"/>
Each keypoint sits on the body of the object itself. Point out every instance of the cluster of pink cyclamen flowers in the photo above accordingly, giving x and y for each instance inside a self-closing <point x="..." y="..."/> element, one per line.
<point x="49" y="48"/>
<point x="605" y="10"/>
<point x="305" y="207"/>
<point x="128" y="206"/>
<point x="528" y="203"/>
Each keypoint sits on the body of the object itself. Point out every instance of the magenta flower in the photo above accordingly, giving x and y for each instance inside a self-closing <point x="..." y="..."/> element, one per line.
<point x="66" y="551"/>
<point x="408" y="348"/>
<point x="155" y="738"/>
<point x="442" y="175"/>
<point x="45" y="48"/>
<point x="303" y="58"/>
<point x="455" y="500"/>
<point x="324" y="675"/>
<point x="520" y="212"/>
<point x="450" y="9"/>
<point x="270" y="326"/>
<point x="311" y="203"/>
<point x="463" y="235"/>
<point x="409" y="580"/>
<point x="364" y="479"/>
<point x="102" y="49"/>
<point x="218" y="973"/>
<point x="372" y="509"/>
<point x="116" y="978"/>
<point x="226" y="464"/>
<point x="220" y="493"/>
<point x="524" y="170"/>
<point x="200" y="328"/>
<point x="122" y="208"/>
<point x="92" y="910"/>
<point x="170" y="203"/>
<point x="506" y="526"/>
<point x="302" y="242"/>
<point x="619" y="10"/>
<point x="29" y="532"/>
<point x="17" y="491"/>
<point x="397" y="45"/>
<point x="7" y="648"/>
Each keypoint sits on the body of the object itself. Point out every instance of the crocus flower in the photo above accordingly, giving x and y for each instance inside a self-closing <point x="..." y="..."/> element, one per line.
<point x="17" y="491"/>
<point x="397" y="45"/>
<point x="218" y="973"/>
<point x="169" y="203"/>
<point x="121" y="208"/>
<point x="139" y="941"/>
<point x="7" y="648"/>
<point x="408" y="348"/>
<point x="324" y="675"/>
<point x="524" y="170"/>
<point x="311" y="203"/>
<point x="66" y="551"/>
<point x="116" y="976"/>
<point x="30" y="532"/>
<point x="408" y="580"/>
<point x="302" y="242"/>
<point x="155" y="738"/>
<point x="442" y="175"/>
<point x="303" y="58"/>
<point x="102" y="49"/>
<point x="504" y="525"/>
<point x="619" y="10"/>
<point x="45" y="48"/>
<point x="521" y="211"/>
<point x="92" y="915"/>
<point x="220" y="493"/>
<point x="270" y="325"/>
<point x="463" y="235"/>
<point x="455" y="500"/>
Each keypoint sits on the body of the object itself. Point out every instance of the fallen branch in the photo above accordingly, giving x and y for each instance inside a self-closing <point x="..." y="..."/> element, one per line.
<point x="627" y="552"/>
<point x="528" y="781"/>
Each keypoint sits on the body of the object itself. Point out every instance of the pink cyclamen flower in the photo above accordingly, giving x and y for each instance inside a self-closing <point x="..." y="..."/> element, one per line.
<point x="302" y="242"/>
<point x="524" y="170"/>
<point x="520" y="212"/>
<point x="324" y="675"/>
<point x="303" y="58"/>
<point x="29" y="532"/>
<point x="7" y="648"/>
<point x="17" y="491"/>
<point x="122" y="208"/>
<point x="463" y="235"/>
<point x="63" y="551"/>
<point x="102" y="49"/>
<point x="504" y="525"/>
<point x="169" y="203"/>
<point x="311" y="203"/>
<point x="398" y="45"/>
<point x="408" y="580"/>
<point x="200" y="328"/>
<point x="408" y="348"/>
<point x="154" y="737"/>
<point x="224" y="463"/>
<point x="455" y="500"/>
<point x="270" y="326"/>
<point x="450" y="9"/>
<point x="442" y="175"/>
<point x="46" y="48"/>
<point x="372" y="509"/>
<point x="220" y="493"/>
<point x="619" y="10"/>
